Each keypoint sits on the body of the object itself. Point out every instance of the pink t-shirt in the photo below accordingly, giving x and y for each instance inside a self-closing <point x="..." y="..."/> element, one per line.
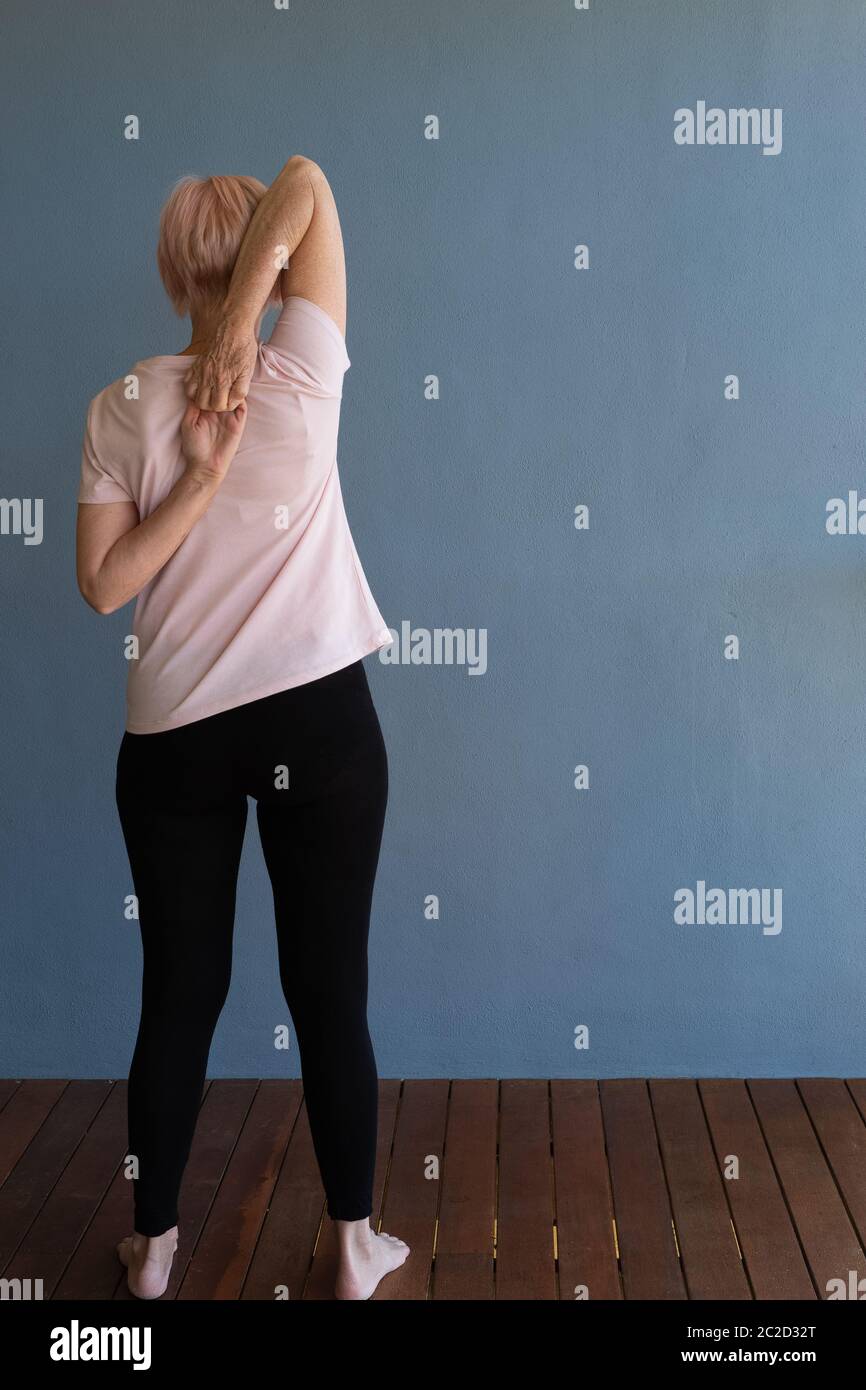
<point x="267" y="591"/>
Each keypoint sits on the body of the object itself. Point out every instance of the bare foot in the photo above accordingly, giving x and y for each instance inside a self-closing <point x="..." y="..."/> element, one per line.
<point x="365" y="1259"/>
<point x="148" y="1260"/>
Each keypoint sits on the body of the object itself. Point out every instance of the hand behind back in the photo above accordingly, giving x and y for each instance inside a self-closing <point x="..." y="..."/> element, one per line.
<point x="210" y="439"/>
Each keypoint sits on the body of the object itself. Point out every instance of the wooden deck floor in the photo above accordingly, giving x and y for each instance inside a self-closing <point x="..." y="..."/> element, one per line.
<point x="543" y="1188"/>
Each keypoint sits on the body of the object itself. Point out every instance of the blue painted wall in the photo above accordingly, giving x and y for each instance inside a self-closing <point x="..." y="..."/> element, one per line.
<point x="558" y="387"/>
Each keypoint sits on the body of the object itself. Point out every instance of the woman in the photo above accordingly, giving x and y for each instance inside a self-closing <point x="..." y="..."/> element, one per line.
<point x="209" y="489"/>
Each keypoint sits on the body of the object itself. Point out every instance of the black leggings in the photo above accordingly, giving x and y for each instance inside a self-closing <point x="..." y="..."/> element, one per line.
<point x="182" y="797"/>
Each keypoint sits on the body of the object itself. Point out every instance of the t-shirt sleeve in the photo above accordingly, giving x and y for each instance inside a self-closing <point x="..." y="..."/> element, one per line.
<point x="307" y="348"/>
<point x="99" y="482"/>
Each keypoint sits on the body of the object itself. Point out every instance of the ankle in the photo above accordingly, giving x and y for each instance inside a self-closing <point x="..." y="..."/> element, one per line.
<point x="155" y="1245"/>
<point x="354" y="1235"/>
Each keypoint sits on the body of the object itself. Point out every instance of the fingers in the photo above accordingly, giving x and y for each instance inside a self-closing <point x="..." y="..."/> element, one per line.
<point x="240" y="390"/>
<point x="198" y="392"/>
<point x="212" y="388"/>
<point x="216" y="397"/>
<point x="192" y="383"/>
<point x="204" y="392"/>
<point x="215" y="393"/>
<point x="210" y="396"/>
<point x="231" y="420"/>
<point x="237" y="418"/>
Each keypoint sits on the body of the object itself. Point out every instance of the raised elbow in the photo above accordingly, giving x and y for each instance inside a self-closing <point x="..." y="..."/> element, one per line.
<point x="304" y="168"/>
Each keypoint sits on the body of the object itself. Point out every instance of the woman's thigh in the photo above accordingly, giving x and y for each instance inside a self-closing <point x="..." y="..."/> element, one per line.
<point x="321" y="836"/>
<point x="183" y="822"/>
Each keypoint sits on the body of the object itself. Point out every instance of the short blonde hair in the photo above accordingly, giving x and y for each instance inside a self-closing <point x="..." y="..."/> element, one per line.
<point x="201" y="228"/>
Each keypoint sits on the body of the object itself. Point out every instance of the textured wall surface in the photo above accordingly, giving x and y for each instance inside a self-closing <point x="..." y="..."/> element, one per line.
<point x="562" y="380"/>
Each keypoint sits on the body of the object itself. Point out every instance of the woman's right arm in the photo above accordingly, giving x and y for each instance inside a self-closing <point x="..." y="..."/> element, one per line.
<point x="116" y="554"/>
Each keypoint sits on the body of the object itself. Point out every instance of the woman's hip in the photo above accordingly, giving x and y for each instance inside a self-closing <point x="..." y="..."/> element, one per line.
<point x="300" y="740"/>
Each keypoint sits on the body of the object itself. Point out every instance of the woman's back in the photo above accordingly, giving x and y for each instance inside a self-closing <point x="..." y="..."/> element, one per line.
<point x="266" y="592"/>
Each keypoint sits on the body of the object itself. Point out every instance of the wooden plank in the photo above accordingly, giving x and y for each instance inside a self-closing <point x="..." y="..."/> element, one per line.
<point x="411" y="1197"/>
<point x="38" y="1169"/>
<point x="525" y="1266"/>
<point x="94" y="1271"/>
<point x="24" y="1113"/>
<point x="771" y="1250"/>
<point x="842" y="1133"/>
<point x="463" y="1268"/>
<point x="61" y="1208"/>
<point x="584" y="1205"/>
<point x="219" y="1264"/>
<point x="709" y="1252"/>
<point x="648" y="1254"/>
<point x="828" y="1239"/>
<point x="285" y="1246"/>
<point x="323" y="1271"/>
<point x="62" y="1220"/>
